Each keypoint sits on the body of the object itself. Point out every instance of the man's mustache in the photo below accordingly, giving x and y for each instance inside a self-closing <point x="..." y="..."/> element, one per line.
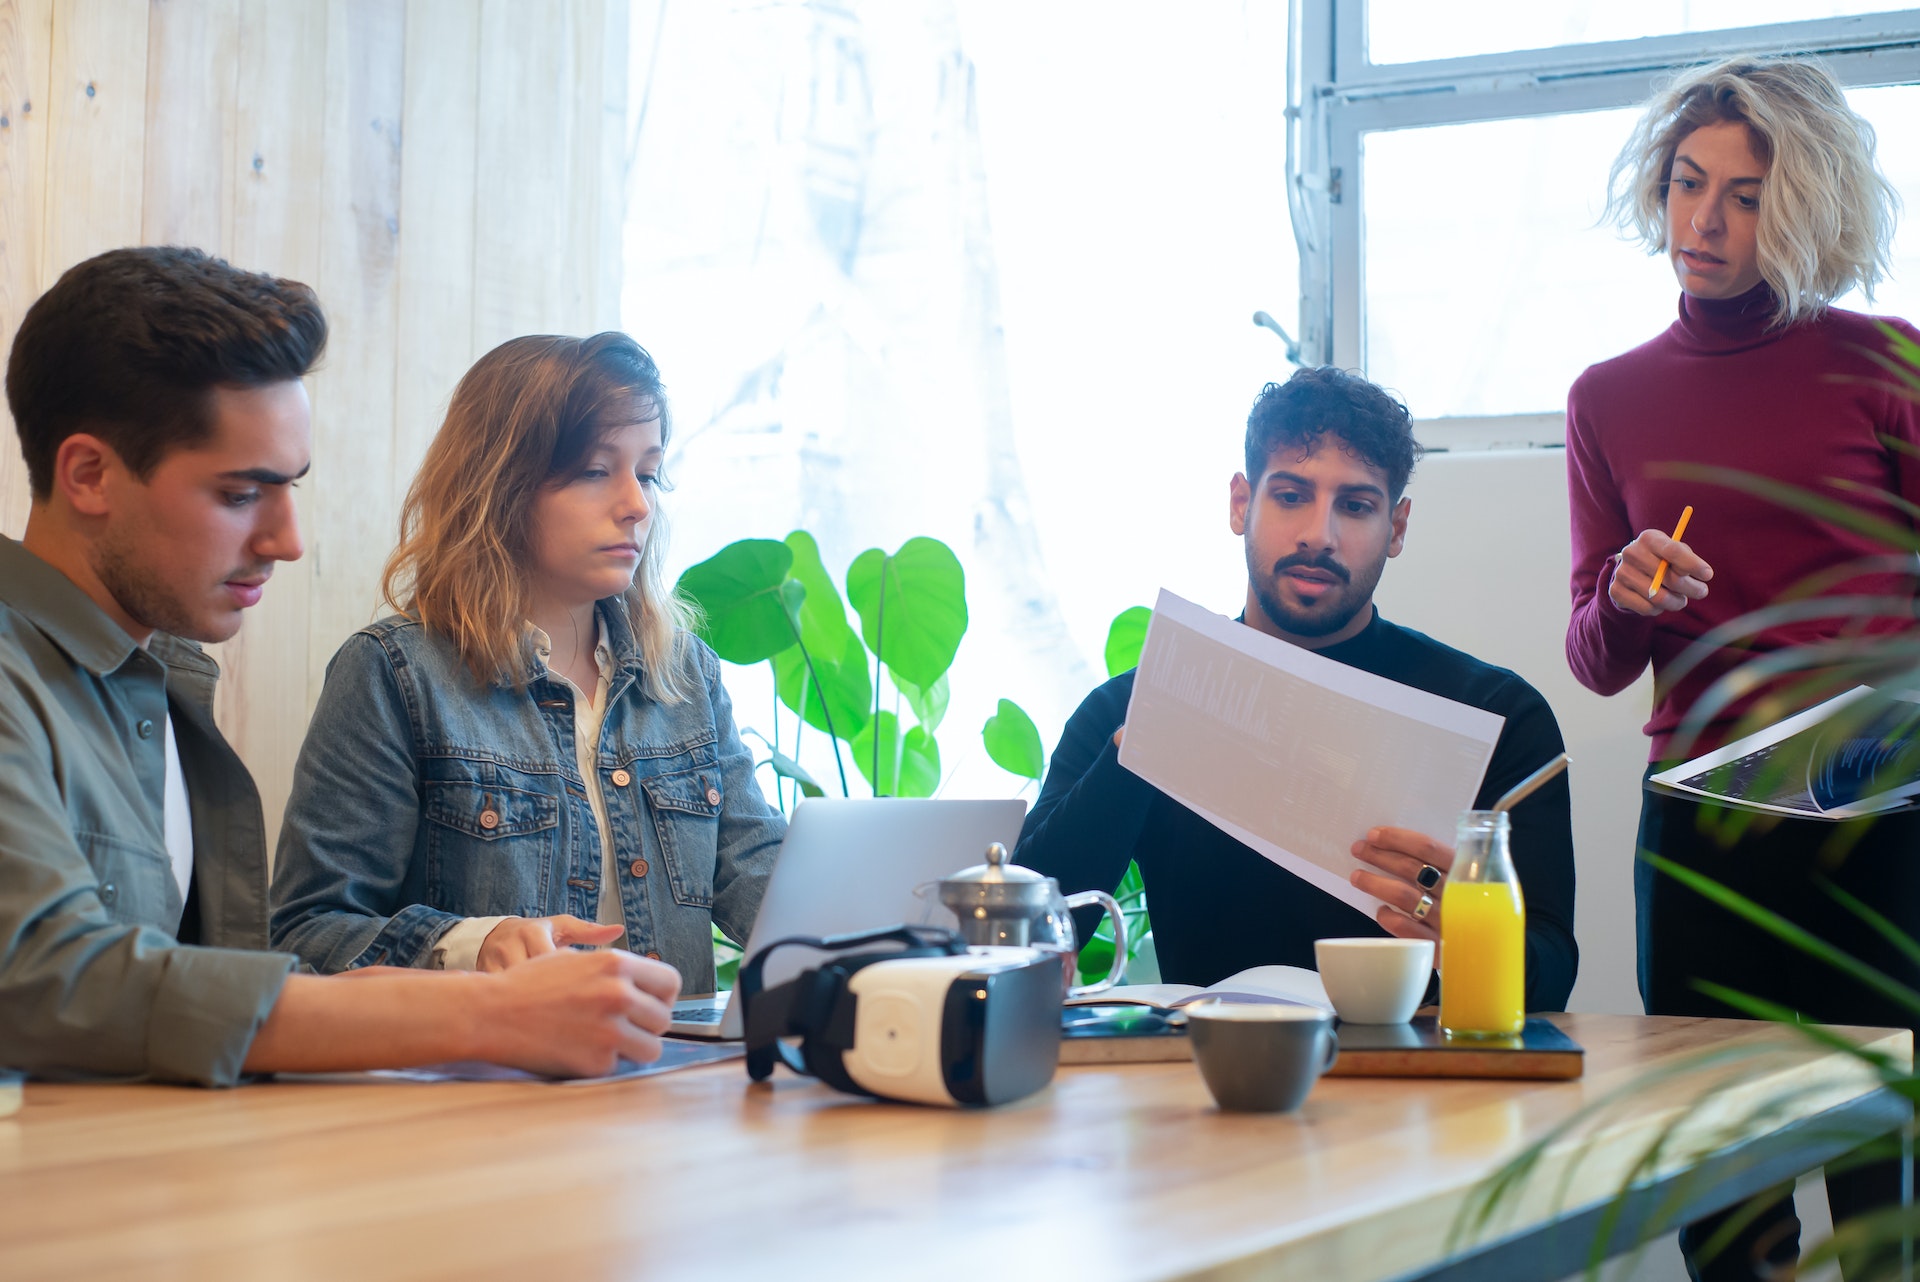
<point x="1323" y="561"/>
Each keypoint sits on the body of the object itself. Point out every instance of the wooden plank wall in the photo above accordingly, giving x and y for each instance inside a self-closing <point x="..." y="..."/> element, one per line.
<point x="446" y="173"/>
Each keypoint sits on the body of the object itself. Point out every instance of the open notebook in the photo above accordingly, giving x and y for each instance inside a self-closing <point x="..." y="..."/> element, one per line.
<point x="1281" y="985"/>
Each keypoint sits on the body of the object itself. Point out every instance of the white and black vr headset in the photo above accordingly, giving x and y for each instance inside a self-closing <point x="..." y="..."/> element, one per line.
<point x="909" y="1013"/>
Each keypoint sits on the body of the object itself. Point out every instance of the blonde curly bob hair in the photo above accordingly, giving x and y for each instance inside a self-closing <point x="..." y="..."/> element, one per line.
<point x="1826" y="214"/>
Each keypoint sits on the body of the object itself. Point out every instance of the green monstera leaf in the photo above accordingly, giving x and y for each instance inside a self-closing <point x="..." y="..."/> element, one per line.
<point x="838" y="690"/>
<point x="909" y="767"/>
<point x="929" y="705"/>
<point x="823" y="615"/>
<point x="1125" y="637"/>
<point x="912" y="607"/>
<point x="1014" y="742"/>
<point x="750" y="603"/>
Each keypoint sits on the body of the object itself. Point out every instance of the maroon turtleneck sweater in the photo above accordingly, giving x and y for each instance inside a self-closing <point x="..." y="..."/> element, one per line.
<point x="1802" y="405"/>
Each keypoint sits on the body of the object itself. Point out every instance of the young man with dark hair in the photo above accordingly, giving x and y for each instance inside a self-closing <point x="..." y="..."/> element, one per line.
<point x="159" y="399"/>
<point x="1320" y="508"/>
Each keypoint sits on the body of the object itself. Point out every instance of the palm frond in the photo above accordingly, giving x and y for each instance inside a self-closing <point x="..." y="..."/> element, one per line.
<point x="1787" y="932"/>
<point x="1794" y="498"/>
<point x="1888" y="497"/>
<point x="1881" y="926"/>
<point x="1713" y="642"/>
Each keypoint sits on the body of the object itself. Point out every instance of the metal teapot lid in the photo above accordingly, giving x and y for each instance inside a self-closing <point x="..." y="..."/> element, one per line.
<point x="996" y="885"/>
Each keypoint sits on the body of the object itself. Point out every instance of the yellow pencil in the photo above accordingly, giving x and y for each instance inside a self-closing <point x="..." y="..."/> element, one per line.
<point x="1660" y="571"/>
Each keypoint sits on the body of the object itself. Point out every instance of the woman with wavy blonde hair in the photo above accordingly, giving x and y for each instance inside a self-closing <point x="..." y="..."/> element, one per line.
<point x="1757" y="181"/>
<point x="532" y="752"/>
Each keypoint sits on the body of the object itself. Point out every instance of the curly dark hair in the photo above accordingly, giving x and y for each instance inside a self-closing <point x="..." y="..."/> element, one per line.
<point x="1320" y="400"/>
<point x="130" y="344"/>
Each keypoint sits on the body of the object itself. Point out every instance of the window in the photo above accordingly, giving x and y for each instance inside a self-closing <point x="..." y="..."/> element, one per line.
<point x="1530" y="289"/>
<point x="1417" y="31"/>
<point x="1447" y="207"/>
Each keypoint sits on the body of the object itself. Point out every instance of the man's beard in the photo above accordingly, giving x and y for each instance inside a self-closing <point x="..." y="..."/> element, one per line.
<point x="1317" y="623"/>
<point x="140" y="593"/>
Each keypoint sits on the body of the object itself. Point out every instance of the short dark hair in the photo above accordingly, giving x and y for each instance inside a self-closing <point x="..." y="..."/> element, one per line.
<point x="1320" y="400"/>
<point x="130" y="344"/>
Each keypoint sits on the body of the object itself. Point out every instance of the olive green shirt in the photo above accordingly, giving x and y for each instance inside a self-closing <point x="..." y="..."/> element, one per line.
<point x="93" y="980"/>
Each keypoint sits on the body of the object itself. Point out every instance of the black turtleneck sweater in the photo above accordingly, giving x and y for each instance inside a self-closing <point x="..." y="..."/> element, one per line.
<point x="1809" y="406"/>
<point x="1219" y="907"/>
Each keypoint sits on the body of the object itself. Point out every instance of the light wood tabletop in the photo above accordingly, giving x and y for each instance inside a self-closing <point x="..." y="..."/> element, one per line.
<point x="1122" y="1171"/>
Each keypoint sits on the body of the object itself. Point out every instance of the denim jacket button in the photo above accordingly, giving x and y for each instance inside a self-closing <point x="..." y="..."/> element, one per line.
<point x="621" y="778"/>
<point x="109" y="892"/>
<point x="713" y="796"/>
<point x="638" y="867"/>
<point x="144" y="729"/>
<point x="489" y="819"/>
<point x="654" y="956"/>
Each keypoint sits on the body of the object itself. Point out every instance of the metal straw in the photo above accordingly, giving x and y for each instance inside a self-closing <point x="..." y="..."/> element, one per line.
<point x="1524" y="789"/>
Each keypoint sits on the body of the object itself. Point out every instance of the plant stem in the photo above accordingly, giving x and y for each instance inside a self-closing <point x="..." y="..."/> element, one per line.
<point x="899" y="738"/>
<point x="779" y="790"/>
<point x="879" y="649"/>
<point x="826" y="713"/>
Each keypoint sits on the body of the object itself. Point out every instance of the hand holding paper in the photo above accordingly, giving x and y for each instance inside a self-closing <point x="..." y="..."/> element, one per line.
<point x="1294" y="754"/>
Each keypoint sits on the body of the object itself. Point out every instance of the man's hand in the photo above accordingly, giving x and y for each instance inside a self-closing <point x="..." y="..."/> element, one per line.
<point x="1634" y="568"/>
<point x="518" y="938"/>
<point x="573" y="1014"/>
<point x="564" y="1013"/>
<point x="1401" y="855"/>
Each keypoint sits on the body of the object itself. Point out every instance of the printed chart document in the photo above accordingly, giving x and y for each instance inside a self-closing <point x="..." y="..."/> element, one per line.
<point x="1294" y="754"/>
<point x="1816" y="764"/>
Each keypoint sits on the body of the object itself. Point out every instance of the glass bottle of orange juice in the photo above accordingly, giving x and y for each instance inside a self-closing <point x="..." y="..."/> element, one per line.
<point x="1483" y="933"/>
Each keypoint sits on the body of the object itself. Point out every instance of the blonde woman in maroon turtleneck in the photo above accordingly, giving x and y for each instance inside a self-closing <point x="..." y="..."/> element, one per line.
<point x="1758" y="182"/>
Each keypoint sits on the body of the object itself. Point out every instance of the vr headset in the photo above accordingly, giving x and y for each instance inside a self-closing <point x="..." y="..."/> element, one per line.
<point x="909" y="1013"/>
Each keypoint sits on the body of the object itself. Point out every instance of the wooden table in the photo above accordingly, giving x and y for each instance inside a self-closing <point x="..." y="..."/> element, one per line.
<point x="1114" y="1172"/>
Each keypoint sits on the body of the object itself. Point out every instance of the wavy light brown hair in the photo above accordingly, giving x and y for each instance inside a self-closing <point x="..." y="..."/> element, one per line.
<point x="527" y="417"/>
<point x="1826" y="213"/>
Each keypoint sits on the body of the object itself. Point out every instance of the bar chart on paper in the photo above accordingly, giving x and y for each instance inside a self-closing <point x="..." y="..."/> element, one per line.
<point x="1295" y="754"/>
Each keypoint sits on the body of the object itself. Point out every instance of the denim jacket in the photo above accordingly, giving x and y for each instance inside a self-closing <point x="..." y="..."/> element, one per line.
<point x="421" y="798"/>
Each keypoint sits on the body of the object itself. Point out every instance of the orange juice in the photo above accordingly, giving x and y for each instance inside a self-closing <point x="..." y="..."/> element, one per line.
<point x="1483" y="958"/>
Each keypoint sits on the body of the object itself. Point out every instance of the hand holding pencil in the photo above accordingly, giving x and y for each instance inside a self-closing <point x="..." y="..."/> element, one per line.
<point x="1657" y="573"/>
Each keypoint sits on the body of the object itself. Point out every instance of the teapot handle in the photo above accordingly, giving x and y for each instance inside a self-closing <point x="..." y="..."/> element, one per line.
<point x="1119" y="919"/>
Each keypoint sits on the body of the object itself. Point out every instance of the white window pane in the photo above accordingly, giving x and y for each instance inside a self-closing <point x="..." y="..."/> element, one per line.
<point x="1891" y="112"/>
<point x="1489" y="286"/>
<point x="1416" y="30"/>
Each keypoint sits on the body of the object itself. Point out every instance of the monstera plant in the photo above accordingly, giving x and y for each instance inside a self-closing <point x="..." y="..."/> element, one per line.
<point x="772" y="601"/>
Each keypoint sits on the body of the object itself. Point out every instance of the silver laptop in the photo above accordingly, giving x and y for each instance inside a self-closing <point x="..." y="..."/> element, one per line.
<point x="850" y="865"/>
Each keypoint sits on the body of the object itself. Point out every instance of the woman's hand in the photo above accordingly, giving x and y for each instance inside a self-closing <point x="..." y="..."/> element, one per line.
<point x="518" y="938"/>
<point x="1637" y="563"/>
<point x="1403" y="857"/>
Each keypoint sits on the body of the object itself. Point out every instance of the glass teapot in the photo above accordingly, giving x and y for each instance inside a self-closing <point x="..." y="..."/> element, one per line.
<point x="1002" y="903"/>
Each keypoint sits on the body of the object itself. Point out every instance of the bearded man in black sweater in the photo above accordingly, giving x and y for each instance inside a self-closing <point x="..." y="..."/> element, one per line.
<point x="1320" y="507"/>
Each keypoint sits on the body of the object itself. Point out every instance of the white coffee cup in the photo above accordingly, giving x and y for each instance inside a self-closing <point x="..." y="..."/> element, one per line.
<point x="1375" y="981"/>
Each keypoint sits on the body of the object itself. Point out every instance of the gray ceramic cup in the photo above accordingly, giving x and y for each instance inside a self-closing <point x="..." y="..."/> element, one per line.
<point x="1260" y="1058"/>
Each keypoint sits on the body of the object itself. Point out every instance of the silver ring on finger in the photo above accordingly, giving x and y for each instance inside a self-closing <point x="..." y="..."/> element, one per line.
<point x="1425" y="906"/>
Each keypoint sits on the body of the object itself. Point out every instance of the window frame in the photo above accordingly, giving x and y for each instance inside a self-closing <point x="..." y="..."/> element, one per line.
<point x="1336" y="97"/>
